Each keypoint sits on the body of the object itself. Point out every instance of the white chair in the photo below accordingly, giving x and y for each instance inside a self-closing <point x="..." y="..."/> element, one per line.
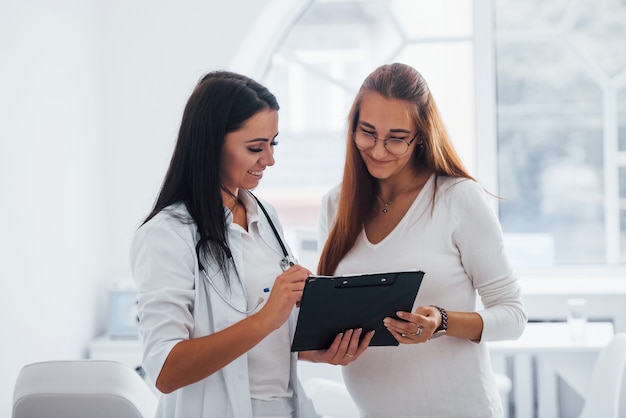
<point x="81" y="388"/>
<point x="603" y="396"/>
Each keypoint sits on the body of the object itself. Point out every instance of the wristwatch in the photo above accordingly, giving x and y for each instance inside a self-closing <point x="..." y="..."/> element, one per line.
<point x="443" y="328"/>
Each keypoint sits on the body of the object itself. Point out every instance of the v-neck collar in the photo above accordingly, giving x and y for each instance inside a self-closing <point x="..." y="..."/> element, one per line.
<point x="421" y="197"/>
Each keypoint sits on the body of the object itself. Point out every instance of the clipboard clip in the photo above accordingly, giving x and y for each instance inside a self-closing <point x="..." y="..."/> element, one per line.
<point x="365" y="280"/>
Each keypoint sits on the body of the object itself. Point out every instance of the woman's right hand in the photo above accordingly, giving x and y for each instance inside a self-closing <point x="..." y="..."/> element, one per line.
<point x="285" y="294"/>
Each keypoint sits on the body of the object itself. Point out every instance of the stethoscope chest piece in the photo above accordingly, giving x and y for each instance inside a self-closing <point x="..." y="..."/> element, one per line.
<point x="285" y="263"/>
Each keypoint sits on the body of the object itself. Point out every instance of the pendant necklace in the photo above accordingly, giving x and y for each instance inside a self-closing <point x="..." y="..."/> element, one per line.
<point x="387" y="204"/>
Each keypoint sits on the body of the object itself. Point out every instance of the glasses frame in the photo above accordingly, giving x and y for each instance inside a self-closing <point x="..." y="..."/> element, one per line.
<point x="376" y="139"/>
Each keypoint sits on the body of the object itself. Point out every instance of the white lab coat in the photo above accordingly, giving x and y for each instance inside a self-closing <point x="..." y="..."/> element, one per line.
<point x="176" y="302"/>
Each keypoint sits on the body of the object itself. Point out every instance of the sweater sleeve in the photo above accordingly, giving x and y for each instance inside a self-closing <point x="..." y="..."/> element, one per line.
<point x="478" y="236"/>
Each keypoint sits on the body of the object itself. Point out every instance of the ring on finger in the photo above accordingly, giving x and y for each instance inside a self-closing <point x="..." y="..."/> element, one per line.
<point x="419" y="331"/>
<point x="348" y="355"/>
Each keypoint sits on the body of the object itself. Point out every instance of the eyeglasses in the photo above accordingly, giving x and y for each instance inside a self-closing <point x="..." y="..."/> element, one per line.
<point x="396" y="146"/>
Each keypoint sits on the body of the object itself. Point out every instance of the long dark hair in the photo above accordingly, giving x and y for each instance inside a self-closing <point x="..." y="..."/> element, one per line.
<point x="358" y="190"/>
<point x="221" y="103"/>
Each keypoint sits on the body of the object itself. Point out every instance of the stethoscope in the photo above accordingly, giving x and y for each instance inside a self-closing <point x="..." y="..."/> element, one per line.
<point x="285" y="263"/>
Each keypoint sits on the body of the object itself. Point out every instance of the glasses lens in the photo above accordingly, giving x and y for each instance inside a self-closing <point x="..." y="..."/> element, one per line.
<point x="396" y="146"/>
<point x="364" y="140"/>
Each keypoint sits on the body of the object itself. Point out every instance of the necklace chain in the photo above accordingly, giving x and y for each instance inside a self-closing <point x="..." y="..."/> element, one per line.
<point x="387" y="204"/>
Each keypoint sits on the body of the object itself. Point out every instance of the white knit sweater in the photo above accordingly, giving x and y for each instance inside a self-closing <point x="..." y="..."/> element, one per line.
<point x="459" y="247"/>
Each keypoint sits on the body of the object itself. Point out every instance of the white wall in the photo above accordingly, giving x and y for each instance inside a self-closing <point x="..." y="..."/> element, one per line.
<point x="91" y="93"/>
<point x="51" y="179"/>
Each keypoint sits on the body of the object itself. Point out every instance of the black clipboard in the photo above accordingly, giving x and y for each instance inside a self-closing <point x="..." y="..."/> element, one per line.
<point x="333" y="304"/>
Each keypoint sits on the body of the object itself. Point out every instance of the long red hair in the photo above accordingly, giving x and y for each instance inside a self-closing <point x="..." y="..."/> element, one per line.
<point x="359" y="188"/>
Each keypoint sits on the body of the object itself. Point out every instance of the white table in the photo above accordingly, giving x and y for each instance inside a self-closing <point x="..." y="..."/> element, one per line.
<point x="544" y="353"/>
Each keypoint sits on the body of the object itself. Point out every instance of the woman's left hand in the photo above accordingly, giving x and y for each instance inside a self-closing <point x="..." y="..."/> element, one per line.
<point x="414" y="328"/>
<point x="345" y="348"/>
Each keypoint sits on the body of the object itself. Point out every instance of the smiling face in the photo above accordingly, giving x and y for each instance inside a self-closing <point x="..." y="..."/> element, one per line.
<point x="248" y="151"/>
<point x="386" y="119"/>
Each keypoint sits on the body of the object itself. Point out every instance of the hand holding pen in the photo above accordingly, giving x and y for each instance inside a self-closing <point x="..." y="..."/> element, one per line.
<point x="285" y="293"/>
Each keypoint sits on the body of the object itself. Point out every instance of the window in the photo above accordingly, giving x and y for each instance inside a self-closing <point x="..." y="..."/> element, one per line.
<point x="561" y="112"/>
<point x="533" y="94"/>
